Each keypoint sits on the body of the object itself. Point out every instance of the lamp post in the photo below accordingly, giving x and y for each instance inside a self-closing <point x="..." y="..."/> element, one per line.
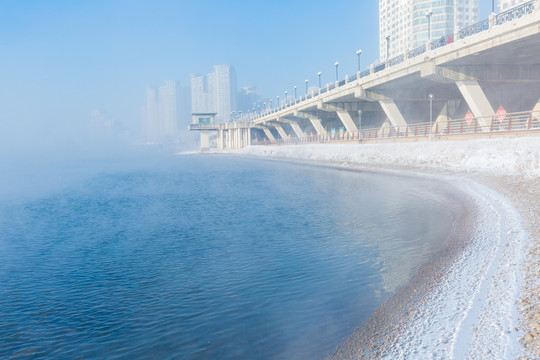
<point x="336" y="64"/>
<point x="270" y="102"/>
<point x="430" y="96"/>
<point x="286" y="98"/>
<point x="358" y="52"/>
<point x="319" y="74"/>
<point x="294" y="92"/>
<point x="428" y="15"/>
<point x="387" y="37"/>
<point x="306" y="86"/>
<point x="278" y="105"/>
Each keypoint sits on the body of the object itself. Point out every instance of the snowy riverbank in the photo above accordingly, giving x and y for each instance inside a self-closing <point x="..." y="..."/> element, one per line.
<point x="486" y="307"/>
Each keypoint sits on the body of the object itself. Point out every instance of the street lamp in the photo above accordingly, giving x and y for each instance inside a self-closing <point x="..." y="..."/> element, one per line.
<point x="358" y="52"/>
<point x="319" y="73"/>
<point x="428" y="15"/>
<point x="387" y="37"/>
<point x="278" y="105"/>
<point x="294" y="92"/>
<point x="306" y="86"/>
<point x="430" y="96"/>
<point x="336" y="64"/>
<point x="286" y="98"/>
<point x="270" y="101"/>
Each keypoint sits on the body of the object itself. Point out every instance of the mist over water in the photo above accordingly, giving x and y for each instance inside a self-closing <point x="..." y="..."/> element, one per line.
<point x="205" y="257"/>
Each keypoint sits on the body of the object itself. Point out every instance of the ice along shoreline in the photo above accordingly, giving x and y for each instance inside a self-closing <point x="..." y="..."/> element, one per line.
<point x="479" y="309"/>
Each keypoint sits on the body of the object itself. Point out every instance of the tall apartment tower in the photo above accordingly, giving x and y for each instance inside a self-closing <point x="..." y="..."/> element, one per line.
<point x="168" y="119"/>
<point x="403" y="24"/>
<point x="167" y="111"/>
<point x="215" y="92"/>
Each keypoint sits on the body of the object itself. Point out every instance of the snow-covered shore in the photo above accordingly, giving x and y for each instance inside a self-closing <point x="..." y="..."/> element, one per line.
<point x="485" y="308"/>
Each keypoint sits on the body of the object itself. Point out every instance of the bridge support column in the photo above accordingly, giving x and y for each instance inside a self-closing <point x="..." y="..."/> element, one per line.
<point x="205" y="141"/>
<point x="385" y="129"/>
<point x="281" y="132"/>
<point x="269" y="135"/>
<point x="299" y="133"/>
<point x="219" y="140"/>
<point x="537" y="106"/>
<point x="229" y="139"/>
<point x="441" y="123"/>
<point x="477" y="100"/>
<point x="393" y="114"/>
<point x="234" y="138"/>
<point x="318" y="126"/>
<point x="347" y="120"/>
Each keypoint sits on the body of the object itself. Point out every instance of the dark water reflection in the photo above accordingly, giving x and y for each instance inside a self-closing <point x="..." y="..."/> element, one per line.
<point x="210" y="258"/>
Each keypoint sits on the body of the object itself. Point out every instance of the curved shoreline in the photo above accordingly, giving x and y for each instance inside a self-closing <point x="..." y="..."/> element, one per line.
<point x="473" y="310"/>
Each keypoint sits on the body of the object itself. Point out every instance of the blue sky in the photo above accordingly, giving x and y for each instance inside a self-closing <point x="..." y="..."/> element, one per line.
<point x="60" y="60"/>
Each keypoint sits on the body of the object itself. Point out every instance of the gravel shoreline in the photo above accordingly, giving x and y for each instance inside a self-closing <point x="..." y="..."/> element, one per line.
<point x="479" y="323"/>
<point x="525" y="195"/>
<point x="378" y="335"/>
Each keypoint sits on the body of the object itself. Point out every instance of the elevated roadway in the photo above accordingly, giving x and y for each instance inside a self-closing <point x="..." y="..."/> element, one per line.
<point x="473" y="73"/>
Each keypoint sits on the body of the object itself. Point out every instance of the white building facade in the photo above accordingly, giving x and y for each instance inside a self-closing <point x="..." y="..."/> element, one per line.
<point x="403" y="24"/>
<point x="215" y="92"/>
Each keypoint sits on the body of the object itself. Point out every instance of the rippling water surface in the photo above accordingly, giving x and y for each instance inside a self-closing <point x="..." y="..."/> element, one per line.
<point x="209" y="257"/>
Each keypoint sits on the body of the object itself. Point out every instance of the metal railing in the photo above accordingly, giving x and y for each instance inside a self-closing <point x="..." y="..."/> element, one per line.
<point x="515" y="13"/>
<point x="497" y="123"/>
<point x="416" y="52"/>
<point x="474" y="29"/>
<point x="396" y="60"/>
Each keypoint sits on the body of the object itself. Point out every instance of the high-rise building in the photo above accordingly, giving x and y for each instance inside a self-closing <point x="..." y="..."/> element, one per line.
<point x="403" y="24"/>
<point x="167" y="111"/>
<point x="215" y="92"/>
<point x="248" y="98"/>
<point x="168" y="119"/>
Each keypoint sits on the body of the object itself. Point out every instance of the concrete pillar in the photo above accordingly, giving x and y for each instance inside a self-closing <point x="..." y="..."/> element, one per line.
<point x="299" y="133"/>
<point x="248" y="137"/>
<point x="537" y="106"/>
<point x="219" y="140"/>
<point x="385" y="128"/>
<point x="394" y="115"/>
<point x="347" y="120"/>
<point x="491" y="20"/>
<point x="318" y="126"/>
<point x="281" y="132"/>
<point x="269" y="135"/>
<point x="441" y="123"/>
<point x="229" y="139"/>
<point x="477" y="101"/>
<point x="205" y="141"/>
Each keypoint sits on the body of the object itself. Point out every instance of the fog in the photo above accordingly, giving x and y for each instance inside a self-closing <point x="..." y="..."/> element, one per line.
<point x="74" y="75"/>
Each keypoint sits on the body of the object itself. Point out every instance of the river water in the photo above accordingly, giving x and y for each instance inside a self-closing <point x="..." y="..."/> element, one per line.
<point x="210" y="257"/>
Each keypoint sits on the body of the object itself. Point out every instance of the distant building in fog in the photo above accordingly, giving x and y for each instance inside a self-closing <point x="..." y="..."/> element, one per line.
<point x="248" y="98"/>
<point x="215" y="92"/>
<point x="405" y="23"/>
<point x="167" y="112"/>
